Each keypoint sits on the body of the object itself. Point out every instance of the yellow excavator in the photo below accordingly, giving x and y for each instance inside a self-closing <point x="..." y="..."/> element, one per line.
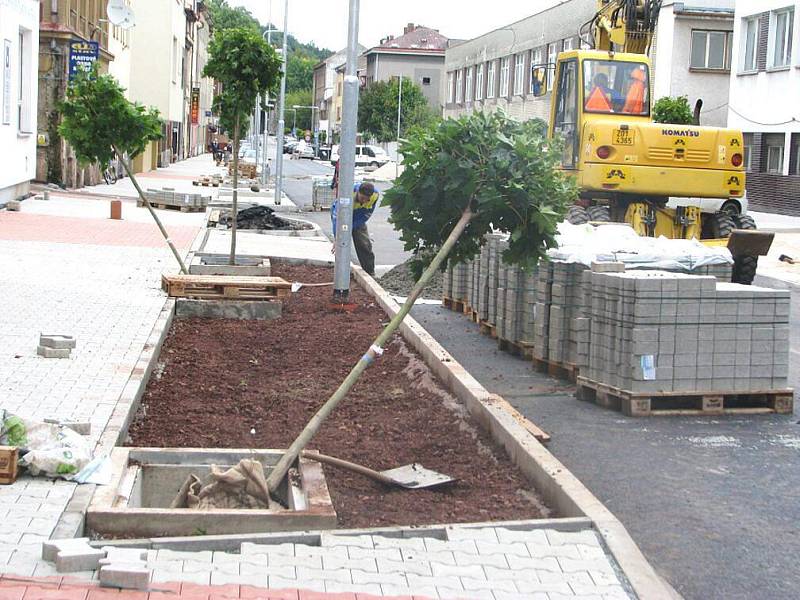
<point x="629" y="167"/>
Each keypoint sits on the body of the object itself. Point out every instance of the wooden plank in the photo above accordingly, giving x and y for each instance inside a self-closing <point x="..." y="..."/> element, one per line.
<point x="532" y="428"/>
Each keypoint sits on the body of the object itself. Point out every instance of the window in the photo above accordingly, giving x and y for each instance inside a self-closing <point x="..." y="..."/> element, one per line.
<point x="459" y="86"/>
<point x="781" y="31"/>
<point x="426" y="81"/>
<point x="616" y="87"/>
<point x="794" y="156"/>
<point x="468" y="92"/>
<point x="503" y="77"/>
<point x="569" y="44"/>
<point x="552" y="56"/>
<point x="519" y="74"/>
<point x="479" y="81"/>
<point x="748" y="151"/>
<point x="750" y="44"/>
<point x="25" y="52"/>
<point x="491" y="81"/>
<point x="450" y="83"/>
<point x="175" y="65"/>
<point x="566" y="120"/>
<point x="536" y="60"/>
<point x="711" y="50"/>
<point x="774" y="143"/>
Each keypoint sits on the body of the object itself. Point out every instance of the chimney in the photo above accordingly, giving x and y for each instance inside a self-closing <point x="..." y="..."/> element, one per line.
<point x="408" y="28"/>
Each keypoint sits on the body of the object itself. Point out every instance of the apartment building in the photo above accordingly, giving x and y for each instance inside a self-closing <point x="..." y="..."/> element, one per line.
<point x="19" y="33"/>
<point x="325" y="90"/>
<point x="71" y="33"/>
<point x="765" y="100"/>
<point x="494" y="70"/>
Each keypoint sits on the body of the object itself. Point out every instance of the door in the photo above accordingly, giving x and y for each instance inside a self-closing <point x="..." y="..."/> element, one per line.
<point x="565" y="124"/>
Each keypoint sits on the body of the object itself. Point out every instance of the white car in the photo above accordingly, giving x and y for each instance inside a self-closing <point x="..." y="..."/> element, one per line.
<point x="303" y="150"/>
<point x="732" y="206"/>
<point x="366" y="156"/>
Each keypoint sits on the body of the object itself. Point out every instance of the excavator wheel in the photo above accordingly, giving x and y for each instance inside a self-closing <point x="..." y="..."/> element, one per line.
<point x="744" y="222"/>
<point x="601" y="214"/>
<point x="577" y="215"/>
<point x="745" y="265"/>
<point x="721" y="225"/>
<point x="744" y="269"/>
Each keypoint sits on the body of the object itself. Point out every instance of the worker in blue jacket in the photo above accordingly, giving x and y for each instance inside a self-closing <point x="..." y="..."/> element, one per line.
<point x="365" y="197"/>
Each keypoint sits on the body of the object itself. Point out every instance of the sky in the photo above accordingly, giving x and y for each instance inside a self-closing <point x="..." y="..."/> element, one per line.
<point x="324" y="22"/>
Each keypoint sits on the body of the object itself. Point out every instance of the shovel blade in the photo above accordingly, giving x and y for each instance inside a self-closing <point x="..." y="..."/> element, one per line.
<point x="415" y="476"/>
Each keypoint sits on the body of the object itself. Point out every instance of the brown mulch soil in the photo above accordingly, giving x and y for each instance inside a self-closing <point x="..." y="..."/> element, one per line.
<point x="223" y="378"/>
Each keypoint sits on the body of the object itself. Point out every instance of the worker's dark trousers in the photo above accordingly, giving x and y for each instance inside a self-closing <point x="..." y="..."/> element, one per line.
<point x="364" y="249"/>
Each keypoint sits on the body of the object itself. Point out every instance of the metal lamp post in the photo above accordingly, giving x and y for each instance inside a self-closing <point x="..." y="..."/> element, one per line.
<point x="281" y="104"/>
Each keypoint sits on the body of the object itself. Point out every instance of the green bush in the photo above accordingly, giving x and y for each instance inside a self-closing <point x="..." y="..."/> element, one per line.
<point x="508" y="173"/>
<point x="673" y="110"/>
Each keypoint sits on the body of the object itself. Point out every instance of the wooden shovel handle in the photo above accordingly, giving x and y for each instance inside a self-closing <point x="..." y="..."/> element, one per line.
<point x="338" y="462"/>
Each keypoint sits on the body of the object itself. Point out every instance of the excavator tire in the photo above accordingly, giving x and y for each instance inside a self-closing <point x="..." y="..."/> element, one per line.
<point x="744" y="269"/>
<point x="721" y="225"/>
<point x="598" y="213"/>
<point x="744" y="222"/>
<point x="577" y="215"/>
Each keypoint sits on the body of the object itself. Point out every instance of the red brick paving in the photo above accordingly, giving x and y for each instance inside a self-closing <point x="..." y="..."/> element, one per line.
<point x="13" y="587"/>
<point x="97" y="232"/>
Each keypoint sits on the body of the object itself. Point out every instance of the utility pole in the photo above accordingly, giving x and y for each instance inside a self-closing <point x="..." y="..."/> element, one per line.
<point x="257" y="128"/>
<point x="347" y="163"/>
<point x="281" y="102"/>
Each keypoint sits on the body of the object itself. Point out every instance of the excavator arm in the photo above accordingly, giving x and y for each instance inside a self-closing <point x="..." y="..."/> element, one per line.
<point x="623" y="25"/>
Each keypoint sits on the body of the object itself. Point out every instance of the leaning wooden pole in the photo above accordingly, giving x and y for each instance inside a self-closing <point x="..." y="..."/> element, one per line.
<point x="290" y="456"/>
<point x="146" y="202"/>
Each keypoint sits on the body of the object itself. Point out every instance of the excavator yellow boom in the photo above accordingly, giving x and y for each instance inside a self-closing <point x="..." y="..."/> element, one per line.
<point x="624" y="25"/>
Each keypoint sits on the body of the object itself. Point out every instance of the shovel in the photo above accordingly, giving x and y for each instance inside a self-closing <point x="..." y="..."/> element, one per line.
<point x="297" y="286"/>
<point x="411" y="477"/>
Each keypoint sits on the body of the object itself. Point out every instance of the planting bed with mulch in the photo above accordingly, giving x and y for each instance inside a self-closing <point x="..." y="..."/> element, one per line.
<point x="255" y="384"/>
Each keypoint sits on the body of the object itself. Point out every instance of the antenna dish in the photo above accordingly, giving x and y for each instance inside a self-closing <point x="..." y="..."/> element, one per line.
<point x="120" y="15"/>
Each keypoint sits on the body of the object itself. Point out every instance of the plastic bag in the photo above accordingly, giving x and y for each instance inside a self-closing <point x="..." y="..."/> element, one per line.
<point x="50" y="450"/>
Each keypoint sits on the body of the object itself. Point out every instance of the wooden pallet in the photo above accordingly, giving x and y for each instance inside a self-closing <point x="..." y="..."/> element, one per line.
<point x="474" y="316"/>
<point x="455" y="305"/>
<point x="566" y="371"/>
<point x="225" y="286"/>
<point x="488" y="329"/>
<point x="184" y="209"/>
<point x="520" y="349"/>
<point x="206" y="182"/>
<point x="643" y="404"/>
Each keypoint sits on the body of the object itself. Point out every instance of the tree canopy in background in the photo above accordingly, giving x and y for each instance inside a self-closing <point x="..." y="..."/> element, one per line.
<point x="508" y="173"/>
<point x="377" y="109"/>
<point x="673" y="110"/>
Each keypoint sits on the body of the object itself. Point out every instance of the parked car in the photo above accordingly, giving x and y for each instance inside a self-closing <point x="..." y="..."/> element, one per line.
<point x="289" y="147"/>
<point x="303" y="150"/>
<point x="732" y="206"/>
<point x="366" y="156"/>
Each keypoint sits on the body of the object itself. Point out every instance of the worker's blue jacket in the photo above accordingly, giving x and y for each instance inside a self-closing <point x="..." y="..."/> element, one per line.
<point x="361" y="211"/>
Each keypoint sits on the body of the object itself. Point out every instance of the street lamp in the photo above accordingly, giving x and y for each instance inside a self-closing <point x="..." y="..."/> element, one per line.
<point x="281" y="104"/>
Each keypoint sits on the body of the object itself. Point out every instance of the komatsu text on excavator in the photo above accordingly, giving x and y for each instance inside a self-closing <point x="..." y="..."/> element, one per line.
<point x="627" y="166"/>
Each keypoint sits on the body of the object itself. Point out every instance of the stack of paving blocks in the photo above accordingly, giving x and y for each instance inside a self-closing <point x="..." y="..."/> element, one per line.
<point x="565" y="301"/>
<point x="654" y="331"/>
<point x="476" y="283"/>
<point x="447" y="281"/>
<point x="483" y="282"/>
<point x="527" y="306"/>
<point x="118" y="567"/>
<point x="494" y="272"/>
<point x="541" y="323"/>
<point x="55" y="346"/>
<point x="458" y="288"/>
<point x="468" y="299"/>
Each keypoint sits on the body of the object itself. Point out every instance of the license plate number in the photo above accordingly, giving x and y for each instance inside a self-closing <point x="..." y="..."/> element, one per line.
<point x="623" y="137"/>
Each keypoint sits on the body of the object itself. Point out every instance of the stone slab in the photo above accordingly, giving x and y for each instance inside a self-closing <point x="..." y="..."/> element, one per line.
<point x="248" y="310"/>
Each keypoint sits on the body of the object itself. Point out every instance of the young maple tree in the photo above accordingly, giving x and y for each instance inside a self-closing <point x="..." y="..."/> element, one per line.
<point x="99" y="123"/>
<point x="245" y="66"/>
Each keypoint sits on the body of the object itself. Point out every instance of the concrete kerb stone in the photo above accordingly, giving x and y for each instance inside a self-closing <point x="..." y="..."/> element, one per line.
<point x="258" y="310"/>
<point x="554" y="481"/>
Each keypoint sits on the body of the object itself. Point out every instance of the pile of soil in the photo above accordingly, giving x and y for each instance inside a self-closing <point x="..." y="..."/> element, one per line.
<point x="262" y="217"/>
<point x="400" y="280"/>
<point x="220" y="379"/>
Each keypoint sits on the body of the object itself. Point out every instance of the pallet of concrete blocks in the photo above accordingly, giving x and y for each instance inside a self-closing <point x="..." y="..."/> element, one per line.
<point x="565" y="302"/>
<point x="527" y="312"/>
<point x="169" y="199"/>
<point x="458" y="289"/>
<point x="541" y="323"/>
<point x="476" y="289"/>
<point x="493" y="243"/>
<point x="483" y="283"/>
<point x="468" y="298"/>
<point x="672" y="343"/>
<point x="447" y="282"/>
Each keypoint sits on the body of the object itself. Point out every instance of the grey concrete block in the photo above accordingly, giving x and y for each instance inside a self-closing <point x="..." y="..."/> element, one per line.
<point x="13" y="205"/>
<point x="46" y="352"/>
<point x="259" y="310"/>
<point x="127" y="577"/>
<point x="57" y="342"/>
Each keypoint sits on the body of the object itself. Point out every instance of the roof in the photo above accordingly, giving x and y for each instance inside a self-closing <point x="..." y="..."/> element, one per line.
<point x="414" y="39"/>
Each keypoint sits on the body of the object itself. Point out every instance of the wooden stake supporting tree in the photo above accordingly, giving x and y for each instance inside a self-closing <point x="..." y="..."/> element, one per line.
<point x="463" y="179"/>
<point x="246" y="66"/>
<point x="99" y="122"/>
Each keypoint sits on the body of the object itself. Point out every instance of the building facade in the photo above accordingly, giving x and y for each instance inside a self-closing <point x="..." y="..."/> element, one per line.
<point x="418" y="55"/>
<point x="325" y="91"/>
<point x="494" y="70"/>
<point x="19" y="33"/>
<point x="765" y="100"/>
<point x="66" y="28"/>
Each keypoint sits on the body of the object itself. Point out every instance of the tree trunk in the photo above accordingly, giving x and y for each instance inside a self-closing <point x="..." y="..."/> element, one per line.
<point x="146" y="202"/>
<point x="235" y="205"/>
<point x="290" y="456"/>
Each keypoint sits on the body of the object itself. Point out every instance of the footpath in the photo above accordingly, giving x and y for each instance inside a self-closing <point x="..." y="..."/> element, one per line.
<point x="68" y="269"/>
